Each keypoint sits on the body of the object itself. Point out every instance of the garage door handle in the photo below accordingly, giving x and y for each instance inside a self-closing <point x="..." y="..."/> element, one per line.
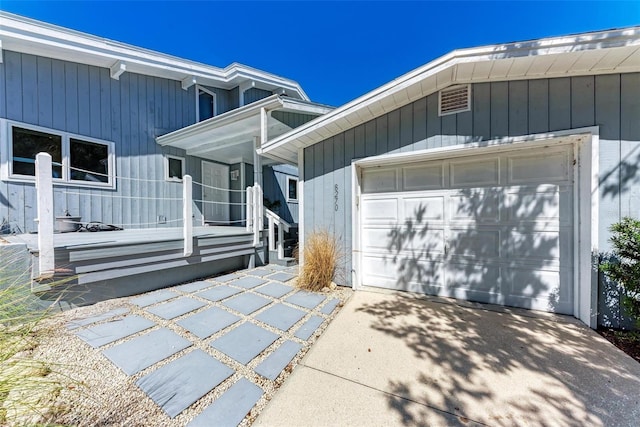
<point x="446" y="248"/>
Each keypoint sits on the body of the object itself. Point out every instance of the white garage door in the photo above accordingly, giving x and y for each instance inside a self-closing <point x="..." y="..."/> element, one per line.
<point x="494" y="228"/>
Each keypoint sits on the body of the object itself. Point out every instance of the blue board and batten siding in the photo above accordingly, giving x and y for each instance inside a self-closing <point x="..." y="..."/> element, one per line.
<point x="275" y="187"/>
<point x="130" y="112"/>
<point x="500" y="109"/>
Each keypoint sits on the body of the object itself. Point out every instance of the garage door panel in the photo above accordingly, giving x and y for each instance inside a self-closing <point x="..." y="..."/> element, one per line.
<point x="424" y="209"/>
<point x="380" y="210"/>
<point x="380" y="181"/>
<point x="403" y="272"/>
<point x="475" y="172"/>
<point x="474" y="243"/>
<point x="478" y="206"/>
<point x="538" y="289"/>
<point x="542" y="246"/>
<point x="530" y="205"/>
<point x="461" y="278"/>
<point x="539" y="168"/>
<point x="391" y="241"/>
<point x="428" y="177"/>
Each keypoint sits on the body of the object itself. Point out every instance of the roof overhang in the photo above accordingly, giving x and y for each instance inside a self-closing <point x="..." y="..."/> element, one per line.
<point x="603" y="52"/>
<point x="229" y="137"/>
<point x="25" y="35"/>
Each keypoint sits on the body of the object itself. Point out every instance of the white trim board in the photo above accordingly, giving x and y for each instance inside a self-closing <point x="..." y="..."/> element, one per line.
<point x="586" y="199"/>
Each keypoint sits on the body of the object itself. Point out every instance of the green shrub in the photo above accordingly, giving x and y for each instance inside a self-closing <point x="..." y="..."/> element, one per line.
<point x="623" y="266"/>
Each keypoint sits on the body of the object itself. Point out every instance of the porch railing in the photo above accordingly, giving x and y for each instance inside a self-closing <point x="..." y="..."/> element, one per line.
<point x="273" y="219"/>
<point x="46" y="214"/>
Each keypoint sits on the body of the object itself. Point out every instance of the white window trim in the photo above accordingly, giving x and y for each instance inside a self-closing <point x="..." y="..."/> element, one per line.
<point x="468" y="108"/>
<point x="291" y="200"/>
<point x="6" y="156"/>
<point x="215" y="101"/>
<point x="166" y="167"/>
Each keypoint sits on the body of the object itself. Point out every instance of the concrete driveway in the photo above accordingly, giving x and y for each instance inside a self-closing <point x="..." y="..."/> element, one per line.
<point x="395" y="359"/>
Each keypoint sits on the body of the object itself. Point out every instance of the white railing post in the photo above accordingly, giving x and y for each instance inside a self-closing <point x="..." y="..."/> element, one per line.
<point x="272" y="237"/>
<point x="187" y="214"/>
<point x="44" y="190"/>
<point x="280" y="241"/>
<point x="249" y="199"/>
<point x="257" y="214"/>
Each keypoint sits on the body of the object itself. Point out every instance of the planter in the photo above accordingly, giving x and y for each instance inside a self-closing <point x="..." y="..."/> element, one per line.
<point x="67" y="224"/>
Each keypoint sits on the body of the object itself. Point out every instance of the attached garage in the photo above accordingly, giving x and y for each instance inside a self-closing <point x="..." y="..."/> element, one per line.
<point x="495" y="228"/>
<point x="490" y="174"/>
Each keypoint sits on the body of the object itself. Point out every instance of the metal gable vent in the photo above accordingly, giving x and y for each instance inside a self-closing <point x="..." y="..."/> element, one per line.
<point x="454" y="99"/>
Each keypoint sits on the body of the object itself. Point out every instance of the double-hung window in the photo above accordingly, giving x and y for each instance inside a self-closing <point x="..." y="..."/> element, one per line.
<point x="76" y="160"/>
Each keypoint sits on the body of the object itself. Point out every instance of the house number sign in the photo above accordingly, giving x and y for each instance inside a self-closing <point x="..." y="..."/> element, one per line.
<point x="335" y="198"/>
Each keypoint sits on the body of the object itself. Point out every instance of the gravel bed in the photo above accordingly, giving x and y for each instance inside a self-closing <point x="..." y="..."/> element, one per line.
<point x="96" y="392"/>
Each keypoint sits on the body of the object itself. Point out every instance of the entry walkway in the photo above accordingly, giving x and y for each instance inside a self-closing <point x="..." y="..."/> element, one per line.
<point x="225" y="337"/>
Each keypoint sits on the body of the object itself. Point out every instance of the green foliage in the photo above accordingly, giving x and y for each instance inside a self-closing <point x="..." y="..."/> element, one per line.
<point x="623" y="266"/>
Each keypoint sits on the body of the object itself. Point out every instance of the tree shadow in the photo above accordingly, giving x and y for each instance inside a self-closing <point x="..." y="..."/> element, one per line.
<point x="500" y="366"/>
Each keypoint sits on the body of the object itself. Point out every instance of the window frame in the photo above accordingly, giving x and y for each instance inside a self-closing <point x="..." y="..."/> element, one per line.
<point x="215" y="102"/>
<point x="183" y="162"/>
<point x="289" y="199"/>
<point x="6" y="156"/>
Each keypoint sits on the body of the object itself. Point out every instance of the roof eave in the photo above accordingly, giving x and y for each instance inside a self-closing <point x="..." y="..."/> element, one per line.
<point x="445" y="66"/>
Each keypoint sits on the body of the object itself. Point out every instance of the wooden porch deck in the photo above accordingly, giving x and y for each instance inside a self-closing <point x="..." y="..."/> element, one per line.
<point x="100" y="265"/>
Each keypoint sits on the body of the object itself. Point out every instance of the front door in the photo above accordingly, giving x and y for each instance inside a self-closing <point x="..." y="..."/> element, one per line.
<point x="215" y="192"/>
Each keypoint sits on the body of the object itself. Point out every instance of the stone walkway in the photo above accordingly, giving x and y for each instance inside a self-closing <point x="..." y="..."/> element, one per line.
<point x="224" y="336"/>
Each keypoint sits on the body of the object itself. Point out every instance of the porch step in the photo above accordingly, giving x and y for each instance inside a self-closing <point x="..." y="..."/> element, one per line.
<point x="286" y="262"/>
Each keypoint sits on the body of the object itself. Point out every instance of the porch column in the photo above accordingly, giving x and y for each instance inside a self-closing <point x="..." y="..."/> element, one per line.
<point x="257" y="162"/>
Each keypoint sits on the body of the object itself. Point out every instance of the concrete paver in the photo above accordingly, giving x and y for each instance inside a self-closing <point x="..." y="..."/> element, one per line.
<point x="244" y="342"/>
<point x="306" y="299"/>
<point x="230" y="408"/>
<point x="281" y="276"/>
<point x="248" y="282"/>
<point x="143" y="351"/>
<point x="218" y="293"/>
<point x="195" y="286"/>
<point x="274" y="364"/>
<point x="307" y="329"/>
<point x="153" y="298"/>
<point x="246" y="303"/>
<point x="175" y="308"/>
<point x="330" y="306"/>
<point x="95" y="319"/>
<point x="281" y="316"/>
<point x="226" y="307"/>
<point x="175" y="386"/>
<point x="274" y="289"/>
<point x="208" y="322"/>
<point x="105" y="333"/>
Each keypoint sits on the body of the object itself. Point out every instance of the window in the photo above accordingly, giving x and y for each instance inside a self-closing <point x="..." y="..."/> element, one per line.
<point x="174" y="168"/>
<point x="77" y="160"/>
<point x="292" y="189"/>
<point x="205" y="103"/>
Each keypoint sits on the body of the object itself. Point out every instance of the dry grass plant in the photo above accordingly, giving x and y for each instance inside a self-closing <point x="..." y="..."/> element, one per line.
<point x="26" y="385"/>
<point x="322" y="254"/>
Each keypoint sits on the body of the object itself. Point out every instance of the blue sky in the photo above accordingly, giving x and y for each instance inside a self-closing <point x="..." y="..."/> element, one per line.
<point x="337" y="51"/>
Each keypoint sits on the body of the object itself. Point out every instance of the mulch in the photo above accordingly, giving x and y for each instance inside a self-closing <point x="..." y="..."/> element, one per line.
<point x="627" y="341"/>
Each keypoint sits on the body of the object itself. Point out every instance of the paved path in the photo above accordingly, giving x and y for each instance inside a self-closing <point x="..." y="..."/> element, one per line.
<point x="226" y="336"/>
<point x="389" y="359"/>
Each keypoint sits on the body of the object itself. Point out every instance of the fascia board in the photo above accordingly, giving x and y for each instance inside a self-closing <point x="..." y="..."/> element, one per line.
<point x="600" y="41"/>
<point x="24" y="34"/>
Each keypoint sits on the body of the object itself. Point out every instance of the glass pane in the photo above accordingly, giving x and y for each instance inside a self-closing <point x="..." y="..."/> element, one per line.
<point x="205" y="106"/>
<point x="293" y="189"/>
<point x="175" y="168"/>
<point x="27" y="143"/>
<point x="89" y="161"/>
